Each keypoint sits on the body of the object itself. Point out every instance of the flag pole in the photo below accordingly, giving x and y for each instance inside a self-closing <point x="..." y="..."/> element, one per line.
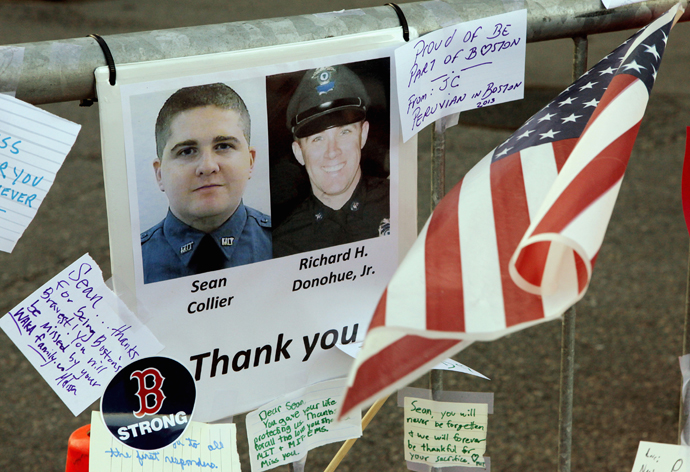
<point x="565" y="411"/>
<point x="345" y="448"/>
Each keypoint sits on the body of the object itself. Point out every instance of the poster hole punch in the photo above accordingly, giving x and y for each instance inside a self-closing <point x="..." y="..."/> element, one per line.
<point x="403" y="20"/>
<point x="110" y="62"/>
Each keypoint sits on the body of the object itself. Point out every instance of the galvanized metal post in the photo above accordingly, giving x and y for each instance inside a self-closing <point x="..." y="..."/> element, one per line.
<point x="565" y="417"/>
<point x="684" y="407"/>
<point x="438" y="189"/>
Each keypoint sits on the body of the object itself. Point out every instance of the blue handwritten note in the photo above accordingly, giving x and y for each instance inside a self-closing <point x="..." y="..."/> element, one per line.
<point x="284" y="430"/>
<point x="78" y="334"/>
<point x="202" y="447"/>
<point x="461" y="67"/>
<point x="33" y="146"/>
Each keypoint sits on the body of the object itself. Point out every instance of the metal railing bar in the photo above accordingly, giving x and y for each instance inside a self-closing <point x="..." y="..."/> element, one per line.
<point x="37" y="75"/>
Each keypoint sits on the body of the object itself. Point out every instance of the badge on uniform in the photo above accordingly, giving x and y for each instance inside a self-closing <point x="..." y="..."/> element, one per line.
<point x="324" y="76"/>
<point x="385" y="227"/>
<point x="187" y="247"/>
<point x="227" y="241"/>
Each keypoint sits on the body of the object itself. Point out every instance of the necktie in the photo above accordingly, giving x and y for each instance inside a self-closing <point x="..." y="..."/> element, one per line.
<point x="207" y="256"/>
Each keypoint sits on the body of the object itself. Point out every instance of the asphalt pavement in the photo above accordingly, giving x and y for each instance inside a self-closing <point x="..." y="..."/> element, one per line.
<point x="629" y="325"/>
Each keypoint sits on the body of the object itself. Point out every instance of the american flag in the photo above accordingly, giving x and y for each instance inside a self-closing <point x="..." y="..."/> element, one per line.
<point x="513" y="244"/>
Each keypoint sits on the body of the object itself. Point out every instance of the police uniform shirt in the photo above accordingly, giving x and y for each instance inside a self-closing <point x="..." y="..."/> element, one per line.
<point x="168" y="247"/>
<point x="314" y="226"/>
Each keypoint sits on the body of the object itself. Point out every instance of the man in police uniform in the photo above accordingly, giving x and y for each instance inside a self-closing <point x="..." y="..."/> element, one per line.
<point x="204" y="163"/>
<point x="327" y="118"/>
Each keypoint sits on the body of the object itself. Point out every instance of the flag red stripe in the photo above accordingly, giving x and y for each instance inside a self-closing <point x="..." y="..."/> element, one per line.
<point x="385" y="367"/>
<point x="562" y="150"/>
<point x="619" y="83"/>
<point x="581" y="272"/>
<point x="511" y="218"/>
<point x="530" y="262"/>
<point x="594" y="180"/>
<point x="379" y="318"/>
<point x="443" y="268"/>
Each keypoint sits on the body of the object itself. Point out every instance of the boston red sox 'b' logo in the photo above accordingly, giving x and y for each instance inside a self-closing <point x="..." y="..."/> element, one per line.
<point x="144" y="392"/>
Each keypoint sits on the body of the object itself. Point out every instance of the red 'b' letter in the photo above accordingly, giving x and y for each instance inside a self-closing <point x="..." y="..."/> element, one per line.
<point x="143" y="391"/>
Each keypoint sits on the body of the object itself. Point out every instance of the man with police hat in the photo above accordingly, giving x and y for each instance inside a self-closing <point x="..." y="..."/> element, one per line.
<point x="327" y="118"/>
<point x="204" y="163"/>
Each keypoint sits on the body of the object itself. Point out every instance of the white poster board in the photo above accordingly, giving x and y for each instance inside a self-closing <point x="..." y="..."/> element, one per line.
<point x="266" y="328"/>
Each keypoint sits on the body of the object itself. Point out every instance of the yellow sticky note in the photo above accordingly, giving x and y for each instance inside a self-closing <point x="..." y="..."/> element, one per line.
<point x="444" y="434"/>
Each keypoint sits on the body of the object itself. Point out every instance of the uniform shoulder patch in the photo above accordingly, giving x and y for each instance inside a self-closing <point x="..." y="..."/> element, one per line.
<point x="148" y="234"/>
<point x="262" y="219"/>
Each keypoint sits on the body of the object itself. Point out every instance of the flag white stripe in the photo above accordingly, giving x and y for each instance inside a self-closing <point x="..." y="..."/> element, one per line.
<point x="406" y="302"/>
<point x="539" y="172"/>
<point x="561" y="298"/>
<point x="481" y="274"/>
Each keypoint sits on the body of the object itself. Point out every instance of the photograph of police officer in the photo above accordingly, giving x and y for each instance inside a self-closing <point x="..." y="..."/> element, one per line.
<point x="329" y="171"/>
<point x="204" y="162"/>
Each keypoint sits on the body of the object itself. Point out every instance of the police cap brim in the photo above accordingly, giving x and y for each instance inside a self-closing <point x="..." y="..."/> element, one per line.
<point x="328" y="115"/>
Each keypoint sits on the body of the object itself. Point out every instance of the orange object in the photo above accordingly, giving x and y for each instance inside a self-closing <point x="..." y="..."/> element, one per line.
<point x="78" y="450"/>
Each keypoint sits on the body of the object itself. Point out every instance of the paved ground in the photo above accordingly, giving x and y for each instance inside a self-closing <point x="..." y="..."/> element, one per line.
<point x="629" y="325"/>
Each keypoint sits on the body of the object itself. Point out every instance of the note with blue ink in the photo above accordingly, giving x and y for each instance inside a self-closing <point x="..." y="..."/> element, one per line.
<point x="461" y="67"/>
<point x="202" y="447"/>
<point x="78" y="334"/>
<point x="33" y="146"/>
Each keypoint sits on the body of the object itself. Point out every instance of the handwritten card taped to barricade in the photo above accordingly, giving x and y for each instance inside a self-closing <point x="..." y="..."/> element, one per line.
<point x="659" y="457"/>
<point x="77" y="333"/>
<point x="461" y="67"/>
<point x="445" y="433"/>
<point x="33" y="146"/>
<point x="284" y="430"/>
<point x="202" y="447"/>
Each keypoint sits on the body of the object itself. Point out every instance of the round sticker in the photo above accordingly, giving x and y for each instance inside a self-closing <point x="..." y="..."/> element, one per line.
<point x="149" y="403"/>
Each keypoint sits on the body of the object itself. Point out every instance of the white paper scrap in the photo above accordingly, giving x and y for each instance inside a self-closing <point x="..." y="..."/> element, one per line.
<point x="461" y="67"/>
<point x="202" y="447"/>
<point x="353" y="349"/>
<point x="661" y="457"/>
<point x="33" y="146"/>
<point x="284" y="430"/>
<point x="78" y="334"/>
<point x="618" y="3"/>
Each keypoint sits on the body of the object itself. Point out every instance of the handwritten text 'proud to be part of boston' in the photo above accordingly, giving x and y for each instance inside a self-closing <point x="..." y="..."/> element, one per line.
<point x="461" y="67"/>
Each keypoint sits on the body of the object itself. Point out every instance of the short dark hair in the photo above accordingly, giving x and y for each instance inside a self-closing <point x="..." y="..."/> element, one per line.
<point x="219" y="95"/>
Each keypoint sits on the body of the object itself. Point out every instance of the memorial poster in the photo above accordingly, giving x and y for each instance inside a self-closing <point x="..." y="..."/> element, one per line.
<point x="259" y="202"/>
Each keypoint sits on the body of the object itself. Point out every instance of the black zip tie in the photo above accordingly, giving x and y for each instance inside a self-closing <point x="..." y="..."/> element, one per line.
<point x="402" y="19"/>
<point x="108" y="57"/>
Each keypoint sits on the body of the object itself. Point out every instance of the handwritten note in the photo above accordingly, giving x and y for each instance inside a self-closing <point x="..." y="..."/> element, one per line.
<point x="284" y="431"/>
<point x="33" y="146"/>
<point x="656" y="457"/>
<point x="202" y="447"/>
<point x="77" y="333"/>
<point x="445" y="433"/>
<point x="461" y="67"/>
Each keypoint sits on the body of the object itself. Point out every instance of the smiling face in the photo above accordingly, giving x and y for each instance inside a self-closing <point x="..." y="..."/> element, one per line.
<point x="205" y="166"/>
<point x="331" y="158"/>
